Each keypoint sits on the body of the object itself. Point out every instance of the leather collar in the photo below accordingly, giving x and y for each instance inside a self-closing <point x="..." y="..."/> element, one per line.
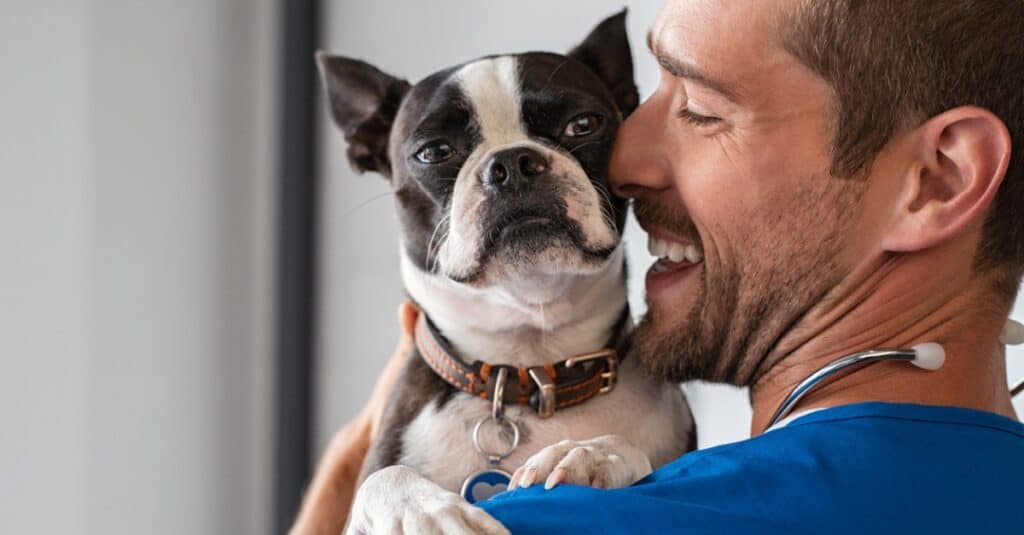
<point x="545" y="388"/>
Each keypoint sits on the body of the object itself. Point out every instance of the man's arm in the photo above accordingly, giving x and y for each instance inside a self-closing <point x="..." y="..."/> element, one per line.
<point x="326" y="506"/>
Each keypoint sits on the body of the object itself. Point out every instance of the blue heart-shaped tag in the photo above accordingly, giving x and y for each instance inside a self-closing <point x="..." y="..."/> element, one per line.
<point x="481" y="486"/>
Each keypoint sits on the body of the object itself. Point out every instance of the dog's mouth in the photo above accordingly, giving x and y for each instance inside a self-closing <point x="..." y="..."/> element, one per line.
<point x="521" y="235"/>
<point x="520" y="226"/>
<point x="530" y="230"/>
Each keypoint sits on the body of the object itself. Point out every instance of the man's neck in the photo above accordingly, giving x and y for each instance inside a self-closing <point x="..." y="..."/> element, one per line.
<point x="897" y="302"/>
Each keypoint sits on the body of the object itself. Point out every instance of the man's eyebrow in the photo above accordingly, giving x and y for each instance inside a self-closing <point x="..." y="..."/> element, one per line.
<point x="682" y="69"/>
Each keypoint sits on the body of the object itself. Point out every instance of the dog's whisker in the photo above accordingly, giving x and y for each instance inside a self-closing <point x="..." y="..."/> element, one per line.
<point x="553" y="73"/>
<point x="587" y="144"/>
<point x="606" y="206"/>
<point x="363" y="204"/>
<point x="434" y="264"/>
<point x="434" y="252"/>
<point x="430" y="243"/>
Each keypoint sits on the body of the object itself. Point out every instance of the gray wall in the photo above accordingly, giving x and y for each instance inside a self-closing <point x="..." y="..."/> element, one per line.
<point x="135" y="393"/>
<point x="360" y="263"/>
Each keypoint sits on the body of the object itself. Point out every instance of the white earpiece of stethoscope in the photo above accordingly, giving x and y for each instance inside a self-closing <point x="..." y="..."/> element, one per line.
<point x="1013" y="333"/>
<point x="930" y="356"/>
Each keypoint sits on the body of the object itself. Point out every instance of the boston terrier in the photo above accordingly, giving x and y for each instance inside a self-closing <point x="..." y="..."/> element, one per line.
<point x="511" y="247"/>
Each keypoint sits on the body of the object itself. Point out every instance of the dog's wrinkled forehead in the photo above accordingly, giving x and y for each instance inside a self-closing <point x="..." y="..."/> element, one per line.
<point x="498" y="100"/>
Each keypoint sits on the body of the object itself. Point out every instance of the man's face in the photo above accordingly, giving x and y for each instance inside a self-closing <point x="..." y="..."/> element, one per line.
<point x="731" y="156"/>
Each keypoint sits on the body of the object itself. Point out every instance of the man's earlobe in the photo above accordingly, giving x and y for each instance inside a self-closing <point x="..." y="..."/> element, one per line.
<point x="962" y="158"/>
<point x="364" y="102"/>
<point x="606" y="51"/>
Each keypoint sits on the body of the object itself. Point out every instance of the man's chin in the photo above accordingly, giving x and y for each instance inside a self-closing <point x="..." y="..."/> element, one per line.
<point x="669" y="341"/>
<point x="655" y="343"/>
<point x="670" y="312"/>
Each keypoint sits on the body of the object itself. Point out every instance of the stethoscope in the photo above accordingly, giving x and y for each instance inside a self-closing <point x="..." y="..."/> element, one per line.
<point x="928" y="356"/>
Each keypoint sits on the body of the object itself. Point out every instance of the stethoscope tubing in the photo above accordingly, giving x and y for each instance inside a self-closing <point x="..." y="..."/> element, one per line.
<point x="856" y="359"/>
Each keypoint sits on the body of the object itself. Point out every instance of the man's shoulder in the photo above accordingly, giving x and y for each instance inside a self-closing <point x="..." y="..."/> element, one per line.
<point x="851" y="466"/>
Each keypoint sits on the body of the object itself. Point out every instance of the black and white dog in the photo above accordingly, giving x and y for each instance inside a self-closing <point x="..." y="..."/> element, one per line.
<point x="511" y="247"/>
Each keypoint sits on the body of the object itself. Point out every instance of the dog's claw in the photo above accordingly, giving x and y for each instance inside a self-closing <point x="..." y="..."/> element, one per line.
<point x="512" y="483"/>
<point x="529" y="477"/>
<point x="556" y="477"/>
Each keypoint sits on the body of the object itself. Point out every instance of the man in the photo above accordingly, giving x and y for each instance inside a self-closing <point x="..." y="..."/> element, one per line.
<point x="846" y="168"/>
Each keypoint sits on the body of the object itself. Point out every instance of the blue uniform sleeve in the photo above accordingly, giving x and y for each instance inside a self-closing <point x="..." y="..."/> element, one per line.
<point x="572" y="509"/>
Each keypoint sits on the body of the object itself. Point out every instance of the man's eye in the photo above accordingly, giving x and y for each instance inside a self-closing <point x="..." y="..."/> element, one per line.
<point x="697" y="119"/>
<point x="582" y="125"/>
<point x="435" y="152"/>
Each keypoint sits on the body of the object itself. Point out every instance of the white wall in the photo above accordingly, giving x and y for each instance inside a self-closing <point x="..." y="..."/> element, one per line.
<point x="360" y="283"/>
<point x="43" y="321"/>
<point x="136" y="227"/>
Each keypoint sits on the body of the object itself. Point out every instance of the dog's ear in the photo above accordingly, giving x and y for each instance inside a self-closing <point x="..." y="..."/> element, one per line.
<point x="606" y="51"/>
<point x="364" y="101"/>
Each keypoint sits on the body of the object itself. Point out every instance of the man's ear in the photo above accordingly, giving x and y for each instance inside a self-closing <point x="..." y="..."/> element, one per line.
<point x="962" y="156"/>
<point x="606" y="51"/>
<point x="364" y="101"/>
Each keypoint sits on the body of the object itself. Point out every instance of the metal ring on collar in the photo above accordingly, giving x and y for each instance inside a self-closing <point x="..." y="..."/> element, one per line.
<point x="496" y="456"/>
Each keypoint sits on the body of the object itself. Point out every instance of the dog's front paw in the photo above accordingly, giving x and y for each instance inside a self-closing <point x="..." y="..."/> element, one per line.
<point x="605" y="462"/>
<point x="399" y="500"/>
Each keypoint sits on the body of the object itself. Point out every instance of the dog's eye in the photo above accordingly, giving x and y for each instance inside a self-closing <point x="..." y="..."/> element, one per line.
<point x="435" y="152"/>
<point x="582" y="125"/>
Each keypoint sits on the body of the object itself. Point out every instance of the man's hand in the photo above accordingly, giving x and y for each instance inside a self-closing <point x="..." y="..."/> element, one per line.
<point x="326" y="506"/>
<point x="604" y="462"/>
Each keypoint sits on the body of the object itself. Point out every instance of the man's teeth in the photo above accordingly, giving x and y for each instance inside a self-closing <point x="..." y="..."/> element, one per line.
<point x="673" y="251"/>
<point x="656" y="247"/>
<point x="676" y="252"/>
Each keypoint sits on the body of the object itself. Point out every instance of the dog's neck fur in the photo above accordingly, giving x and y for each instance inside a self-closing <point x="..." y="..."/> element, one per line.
<point x="541" y="321"/>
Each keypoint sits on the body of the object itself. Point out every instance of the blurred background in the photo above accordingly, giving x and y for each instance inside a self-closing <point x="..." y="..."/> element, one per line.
<point x="195" y="289"/>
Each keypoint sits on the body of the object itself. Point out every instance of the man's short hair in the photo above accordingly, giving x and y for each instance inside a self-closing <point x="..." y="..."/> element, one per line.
<point x="893" y="64"/>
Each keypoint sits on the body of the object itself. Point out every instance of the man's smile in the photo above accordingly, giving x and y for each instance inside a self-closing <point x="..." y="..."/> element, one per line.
<point x="677" y="258"/>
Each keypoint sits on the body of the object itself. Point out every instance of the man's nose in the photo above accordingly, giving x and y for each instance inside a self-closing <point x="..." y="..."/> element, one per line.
<point x="512" y="169"/>
<point x="638" y="160"/>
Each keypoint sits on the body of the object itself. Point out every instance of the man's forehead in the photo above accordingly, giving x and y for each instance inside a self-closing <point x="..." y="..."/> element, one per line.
<point x="729" y="40"/>
<point x="752" y="19"/>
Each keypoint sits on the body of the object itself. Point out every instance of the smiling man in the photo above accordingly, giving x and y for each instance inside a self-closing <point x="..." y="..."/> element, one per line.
<point x="830" y="176"/>
<point x="844" y="171"/>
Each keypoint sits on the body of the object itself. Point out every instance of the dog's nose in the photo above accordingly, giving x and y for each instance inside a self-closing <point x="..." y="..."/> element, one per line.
<point x="513" y="168"/>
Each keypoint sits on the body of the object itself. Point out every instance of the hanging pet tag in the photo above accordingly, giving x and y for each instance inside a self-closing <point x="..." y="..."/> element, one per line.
<point x="487" y="483"/>
<point x="480" y="486"/>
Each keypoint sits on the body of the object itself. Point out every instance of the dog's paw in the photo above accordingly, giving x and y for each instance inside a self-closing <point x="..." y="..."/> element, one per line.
<point x="399" y="500"/>
<point x="604" y="462"/>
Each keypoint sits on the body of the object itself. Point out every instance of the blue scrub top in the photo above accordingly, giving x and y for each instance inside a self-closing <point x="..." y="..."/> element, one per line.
<point x="863" y="468"/>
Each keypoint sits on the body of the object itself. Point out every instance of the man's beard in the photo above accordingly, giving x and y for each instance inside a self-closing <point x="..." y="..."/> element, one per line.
<point x="741" y="311"/>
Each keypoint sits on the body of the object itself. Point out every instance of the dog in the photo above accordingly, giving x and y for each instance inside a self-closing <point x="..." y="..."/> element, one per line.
<point x="511" y="247"/>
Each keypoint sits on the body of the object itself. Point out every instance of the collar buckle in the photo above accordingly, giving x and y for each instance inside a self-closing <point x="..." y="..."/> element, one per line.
<point x="546" y="391"/>
<point x="611" y="373"/>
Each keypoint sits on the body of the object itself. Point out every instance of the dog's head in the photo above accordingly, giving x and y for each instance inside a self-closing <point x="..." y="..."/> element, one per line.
<point x="500" y="164"/>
